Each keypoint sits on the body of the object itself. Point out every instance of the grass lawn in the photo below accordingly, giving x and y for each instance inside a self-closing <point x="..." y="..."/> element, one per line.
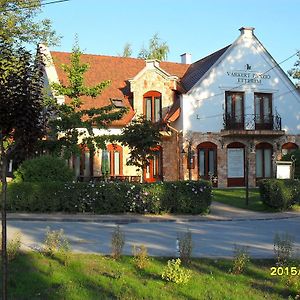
<point x="34" y="276"/>
<point x="236" y="197"/>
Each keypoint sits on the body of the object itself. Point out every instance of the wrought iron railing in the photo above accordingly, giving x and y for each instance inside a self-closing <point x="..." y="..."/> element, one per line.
<point x="252" y="122"/>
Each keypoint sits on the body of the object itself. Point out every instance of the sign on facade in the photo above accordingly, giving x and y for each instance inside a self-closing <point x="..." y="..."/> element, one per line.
<point x="284" y="169"/>
<point x="235" y="162"/>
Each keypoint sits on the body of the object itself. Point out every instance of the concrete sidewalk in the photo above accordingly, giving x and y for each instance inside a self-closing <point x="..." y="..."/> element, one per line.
<point x="219" y="212"/>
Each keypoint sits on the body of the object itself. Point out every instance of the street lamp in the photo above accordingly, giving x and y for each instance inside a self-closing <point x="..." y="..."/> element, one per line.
<point x="252" y="150"/>
<point x="190" y="159"/>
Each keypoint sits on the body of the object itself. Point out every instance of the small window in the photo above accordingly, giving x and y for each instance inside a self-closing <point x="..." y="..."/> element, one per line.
<point x="115" y="159"/>
<point x="153" y="106"/>
<point x="117" y="103"/>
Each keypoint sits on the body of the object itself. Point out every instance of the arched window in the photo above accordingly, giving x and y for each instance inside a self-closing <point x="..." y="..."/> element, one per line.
<point x="153" y="106"/>
<point x="115" y="159"/>
<point x="207" y="160"/>
<point x="264" y="153"/>
<point x="288" y="147"/>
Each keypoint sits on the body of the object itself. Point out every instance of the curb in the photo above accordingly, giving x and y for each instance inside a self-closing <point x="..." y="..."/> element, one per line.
<point x="138" y="220"/>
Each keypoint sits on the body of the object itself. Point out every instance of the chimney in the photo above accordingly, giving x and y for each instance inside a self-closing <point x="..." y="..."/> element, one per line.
<point x="247" y="31"/>
<point x="186" y="58"/>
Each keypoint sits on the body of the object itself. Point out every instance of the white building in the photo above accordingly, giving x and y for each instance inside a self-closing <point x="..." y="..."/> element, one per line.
<point x="234" y="106"/>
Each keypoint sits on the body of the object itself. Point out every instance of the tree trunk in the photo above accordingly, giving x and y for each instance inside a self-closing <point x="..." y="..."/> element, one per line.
<point x="3" y="214"/>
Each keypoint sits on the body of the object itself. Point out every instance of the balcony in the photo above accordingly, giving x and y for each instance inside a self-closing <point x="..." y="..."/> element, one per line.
<point x="252" y="124"/>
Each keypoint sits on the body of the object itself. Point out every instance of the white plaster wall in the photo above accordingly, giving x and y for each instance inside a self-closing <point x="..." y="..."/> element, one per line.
<point x="204" y="105"/>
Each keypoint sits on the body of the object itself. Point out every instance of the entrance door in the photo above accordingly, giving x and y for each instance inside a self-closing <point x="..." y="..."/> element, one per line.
<point x="207" y="161"/>
<point x="263" y="111"/>
<point x="234" y="110"/>
<point x="153" y="171"/>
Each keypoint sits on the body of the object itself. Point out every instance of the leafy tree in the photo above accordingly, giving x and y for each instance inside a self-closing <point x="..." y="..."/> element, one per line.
<point x="21" y="83"/>
<point x="127" y="51"/>
<point x="142" y="137"/>
<point x="20" y="90"/>
<point x="156" y="50"/>
<point x="295" y="72"/>
<point x="71" y="115"/>
<point x="18" y="23"/>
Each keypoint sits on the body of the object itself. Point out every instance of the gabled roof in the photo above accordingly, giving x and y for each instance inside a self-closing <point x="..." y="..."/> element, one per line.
<point x="198" y="69"/>
<point x="116" y="69"/>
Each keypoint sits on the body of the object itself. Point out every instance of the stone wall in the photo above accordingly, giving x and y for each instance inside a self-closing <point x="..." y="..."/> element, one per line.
<point x="222" y="142"/>
<point x="170" y="158"/>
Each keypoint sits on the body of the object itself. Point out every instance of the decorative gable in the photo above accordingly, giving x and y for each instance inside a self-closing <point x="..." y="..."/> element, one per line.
<point x="247" y="67"/>
<point x="153" y="78"/>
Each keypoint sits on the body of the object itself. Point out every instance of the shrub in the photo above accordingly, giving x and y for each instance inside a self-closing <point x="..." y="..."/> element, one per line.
<point x="140" y="256"/>
<point x="279" y="193"/>
<point x="55" y="242"/>
<point x="283" y="248"/>
<point x="117" y="242"/>
<point x="44" y="168"/>
<point x="110" y="197"/>
<point x="13" y="246"/>
<point x="175" y="273"/>
<point x="296" y="154"/>
<point x="185" y="246"/>
<point x="240" y="259"/>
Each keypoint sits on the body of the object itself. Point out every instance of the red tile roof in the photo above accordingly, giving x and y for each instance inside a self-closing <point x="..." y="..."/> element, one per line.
<point x="116" y="69"/>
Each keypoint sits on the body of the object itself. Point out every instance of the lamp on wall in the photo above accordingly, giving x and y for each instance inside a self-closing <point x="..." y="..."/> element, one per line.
<point x="252" y="148"/>
<point x="278" y="146"/>
<point x="190" y="158"/>
<point x="222" y="143"/>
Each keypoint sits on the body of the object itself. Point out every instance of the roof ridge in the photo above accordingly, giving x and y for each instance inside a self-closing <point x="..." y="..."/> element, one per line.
<point x="211" y="54"/>
<point x="119" y="57"/>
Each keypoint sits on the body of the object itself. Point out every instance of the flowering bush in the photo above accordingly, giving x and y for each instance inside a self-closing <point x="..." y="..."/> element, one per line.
<point x="175" y="273"/>
<point x="110" y="197"/>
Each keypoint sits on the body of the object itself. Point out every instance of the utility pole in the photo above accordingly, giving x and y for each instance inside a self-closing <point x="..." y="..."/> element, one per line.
<point x="247" y="175"/>
<point x="190" y="159"/>
<point x="3" y="214"/>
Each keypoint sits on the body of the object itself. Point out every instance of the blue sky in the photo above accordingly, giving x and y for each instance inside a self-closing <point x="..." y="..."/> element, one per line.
<point x="194" y="26"/>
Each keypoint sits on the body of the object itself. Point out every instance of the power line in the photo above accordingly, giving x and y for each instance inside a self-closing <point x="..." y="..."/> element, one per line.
<point x="234" y="88"/>
<point x="33" y="5"/>
<point x="277" y="96"/>
<point x="242" y="84"/>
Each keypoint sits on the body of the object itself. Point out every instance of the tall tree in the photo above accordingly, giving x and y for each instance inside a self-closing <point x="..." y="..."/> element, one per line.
<point x="20" y="90"/>
<point x="142" y="137"/>
<point x="18" y="23"/>
<point x="156" y="49"/>
<point x="127" y="51"/>
<point x="70" y="116"/>
<point x="295" y="72"/>
<point x="20" y="118"/>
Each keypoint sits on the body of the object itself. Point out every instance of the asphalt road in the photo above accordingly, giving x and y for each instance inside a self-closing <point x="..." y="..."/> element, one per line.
<point x="210" y="238"/>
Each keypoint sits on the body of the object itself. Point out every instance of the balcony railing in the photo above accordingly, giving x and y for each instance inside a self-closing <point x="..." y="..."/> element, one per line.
<point x="252" y="122"/>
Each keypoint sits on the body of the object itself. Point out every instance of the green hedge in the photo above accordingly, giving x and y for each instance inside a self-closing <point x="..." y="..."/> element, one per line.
<point x="110" y="197"/>
<point x="44" y="168"/>
<point x="280" y="193"/>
